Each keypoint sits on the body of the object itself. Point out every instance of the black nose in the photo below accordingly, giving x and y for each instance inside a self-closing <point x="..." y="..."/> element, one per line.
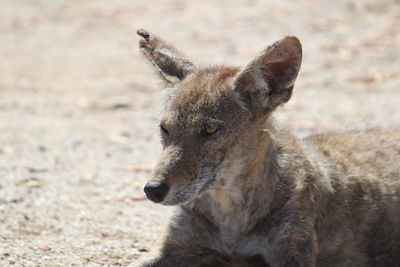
<point x="156" y="190"/>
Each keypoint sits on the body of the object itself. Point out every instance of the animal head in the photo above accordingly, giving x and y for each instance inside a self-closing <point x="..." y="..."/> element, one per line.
<point x="213" y="117"/>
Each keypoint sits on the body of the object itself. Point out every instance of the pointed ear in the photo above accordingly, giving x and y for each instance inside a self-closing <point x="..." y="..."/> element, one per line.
<point x="169" y="62"/>
<point x="268" y="81"/>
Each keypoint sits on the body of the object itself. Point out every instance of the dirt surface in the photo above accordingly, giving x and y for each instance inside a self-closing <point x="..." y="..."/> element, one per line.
<point x="79" y="107"/>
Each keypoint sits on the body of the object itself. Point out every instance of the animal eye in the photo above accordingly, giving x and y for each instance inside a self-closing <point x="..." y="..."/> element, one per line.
<point x="209" y="130"/>
<point x="163" y="129"/>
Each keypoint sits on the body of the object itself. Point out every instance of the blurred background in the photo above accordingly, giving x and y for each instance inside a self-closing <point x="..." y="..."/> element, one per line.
<point x="79" y="106"/>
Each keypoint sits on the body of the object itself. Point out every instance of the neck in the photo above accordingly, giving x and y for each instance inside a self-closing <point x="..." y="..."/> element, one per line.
<point x="250" y="187"/>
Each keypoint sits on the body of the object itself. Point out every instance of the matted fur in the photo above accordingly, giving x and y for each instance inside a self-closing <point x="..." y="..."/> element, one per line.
<point x="251" y="194"/>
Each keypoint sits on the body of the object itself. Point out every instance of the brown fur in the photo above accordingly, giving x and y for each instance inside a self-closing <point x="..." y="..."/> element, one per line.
<point x="250" y="193"/>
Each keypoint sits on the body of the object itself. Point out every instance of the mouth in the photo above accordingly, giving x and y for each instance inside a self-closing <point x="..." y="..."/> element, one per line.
<point x="180" y="196"/>
<point x="168" y="194"/>
<point x="160" y="193"/>
<point x="190" y="192"/>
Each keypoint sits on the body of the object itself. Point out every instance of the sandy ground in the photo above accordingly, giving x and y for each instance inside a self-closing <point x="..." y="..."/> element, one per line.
<point x="79" y="107"/>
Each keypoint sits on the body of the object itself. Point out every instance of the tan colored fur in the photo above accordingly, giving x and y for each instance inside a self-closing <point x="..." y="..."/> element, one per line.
<point x="252" y="194"/>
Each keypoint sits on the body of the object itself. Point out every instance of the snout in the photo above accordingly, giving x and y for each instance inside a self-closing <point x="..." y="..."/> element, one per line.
<point x="156" y="191"/>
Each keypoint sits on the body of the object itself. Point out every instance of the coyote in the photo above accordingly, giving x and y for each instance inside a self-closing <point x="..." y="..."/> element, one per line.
<point x="252" y="194"/>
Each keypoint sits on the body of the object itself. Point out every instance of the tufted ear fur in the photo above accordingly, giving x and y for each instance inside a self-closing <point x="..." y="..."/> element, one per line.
<point x="169" y="62"/>
<point x="268" y="80"/>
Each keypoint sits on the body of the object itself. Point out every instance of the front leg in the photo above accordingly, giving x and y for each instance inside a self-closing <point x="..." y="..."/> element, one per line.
<point x="295" y="248"/>
<point x="187" y="244"/>
<point x="173" y="256"/>
<point x="211" y="259"/>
